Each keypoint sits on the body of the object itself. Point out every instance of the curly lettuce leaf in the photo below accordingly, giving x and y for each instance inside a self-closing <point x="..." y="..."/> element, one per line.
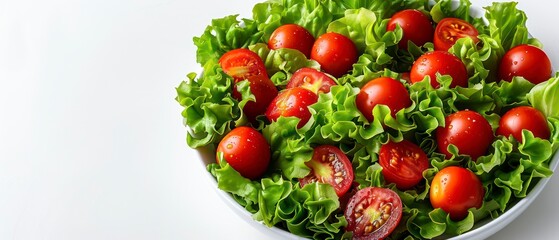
<point x="284" y="59"/>
<point x="545" y="97"/>
<point x="461" y="9"/>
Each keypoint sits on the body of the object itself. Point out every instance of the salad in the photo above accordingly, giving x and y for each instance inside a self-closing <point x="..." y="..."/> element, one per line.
<point x="404" y="119"/>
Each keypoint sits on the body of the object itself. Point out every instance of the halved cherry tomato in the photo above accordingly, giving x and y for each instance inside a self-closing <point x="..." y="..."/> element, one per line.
<point x="455" y="190"/>
<point x="246" y="150"/>
<point x="264" y="92"/>
<point x="417" y="27"/>
<point x="292" y="102"/>
<point x="242" y="63"/>
<point x="444" y="63"/>
<point x="449" y="30"/>
<point x="311" y="79"/>
<point x="524" y="117"/>
<point x="335" y="52"/>
<point x="403" y="163"/>
<point x="373" y="213"/>
<point x="292" y="36"/>
<point x="469" y="131"/>
<point x="384" y="90"/>
<point x="330" y="165"/>
<point x="526" y="61"/>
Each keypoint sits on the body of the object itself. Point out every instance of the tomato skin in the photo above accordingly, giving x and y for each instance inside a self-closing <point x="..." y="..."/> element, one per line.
<point x="292" y="102"/>
<point x="264" y="92"/>
<point x="383" y="202"/>
<point x="246" y="150"/>
<point x="469" y="131"/>
<point x="455" y="190"/>
<point x="444" y="63"/>
<point x="330" y="165"/>
<point x="311" y="79"/>
<point x="383" y="90"/>
<point x="526" y="61"/>
<point x="335" y="52"/>
<point x="292" y="36"/>
<point x="403" y="163"/>
<point x="242" y="63"/>
<point x="449" y="30"/>
<point x="416" y="26"/>
<point x="524" y="117"/>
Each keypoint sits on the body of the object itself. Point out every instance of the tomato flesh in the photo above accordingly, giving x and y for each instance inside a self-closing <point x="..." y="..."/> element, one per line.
<point x="386" y="91"/>
<point x="444" y="63"/>
<point x="292" y="36"/>
<point x="242" y="63"/>
<point x="373" y="213"/>
<point x="330" y="165"/>
<point x="449" y="30"/>
<point x="311" y="79"/>
<point x="403" y="163"/>
<point x="335" y="52"/>
<point x="416" y="27"/>
<point x="455" y="190"/>
<point x="292" y="102"/>
<point x="524" y="117"/>
<point x="246" y="150"/>
<point x="525" y="61"/>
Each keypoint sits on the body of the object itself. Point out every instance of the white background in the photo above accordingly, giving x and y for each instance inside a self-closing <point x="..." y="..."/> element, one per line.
<point x="92" y="144"/>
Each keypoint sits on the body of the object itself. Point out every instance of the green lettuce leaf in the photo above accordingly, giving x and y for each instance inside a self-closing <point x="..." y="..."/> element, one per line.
<point x="545" y="97"/>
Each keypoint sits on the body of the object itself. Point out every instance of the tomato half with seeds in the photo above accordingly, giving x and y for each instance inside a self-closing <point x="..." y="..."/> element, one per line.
<point x="455" y="190"/>
<point x="444" y="63"/>
<point x="292" y="102"/>
<point x="292" y="36"/>
<point x="246" y="150"/>
<point x="524" y="117"/>
<point x="416" y="27"/>
<point x="242" y="63"/>
<point x="449" y="30"/>
<point x="373" y="213"/>
<point x="384" y="90"/>
<point x="335" y="52"/>
<point x="469" y="131"/>
<point x="403" y="163"/>
<point x="311" y="79"/>
<point x="330" y="165"/>
<point x="525" y="61"/>
<point x="264" y="92"/>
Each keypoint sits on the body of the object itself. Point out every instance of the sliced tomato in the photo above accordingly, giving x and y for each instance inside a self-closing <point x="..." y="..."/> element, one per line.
<point x="449" y="30"/>
<point x="403" y="163"/>
<point x="264" y="92"/>
<point x="330" y="165"/>
<point x="311" y="79"/>
<point x="373" y="213"/>
<point x="242" y="63"/>
<point x="292" y="102"/>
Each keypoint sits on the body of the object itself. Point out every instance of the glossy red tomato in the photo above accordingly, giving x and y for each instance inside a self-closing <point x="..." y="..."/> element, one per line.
<point x="385" y="91"/>
<point x="526" y="61"/>
<point x="242" y="63"/>
<point x="416" y="26"/>
<point x="292" y="102"/>
<point x="292" y="36"/>
<point x="524" y="117"/>
<point x="403" y="163"/>
<point x="311" y="79"/>
<point x="264" y="92"/>
<point x="406" y="76"/>
<point x="455" y="190"/>
<point x="330" y="165"/>
<point x="469" y="131"/>
<point x="449" y="30"/>
<point x="246" y="150"/>
<point x="444" y="63"/>
<point x="373" y="213"/>
<point x="335" y="52"/>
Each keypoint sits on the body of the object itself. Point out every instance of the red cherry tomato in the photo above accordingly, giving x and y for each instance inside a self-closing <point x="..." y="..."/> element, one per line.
<point x="403" y="163"/>
<point x="449" y="30"/>
<point x="292" y="102"/>
<point x="292" y="36"/>
<point x="373" y="213"/>
<point x="417" y="27"/>
<point x="444" y="63"/>
<point x="311" y="79"/>
<point x="524" y="117"/>
<point x="246" y="150"/>
<point x="383" y="90"/>
<point x="406" y="76"/>
<point x="525" y="61"/>
<point x="330" y="165"/>
<point x="242" y="63"/>
<point x="335" y="52"/>
<point x="455" y="190"/>
<point x="264" y="92"/>
<point x="469" y="131"/>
